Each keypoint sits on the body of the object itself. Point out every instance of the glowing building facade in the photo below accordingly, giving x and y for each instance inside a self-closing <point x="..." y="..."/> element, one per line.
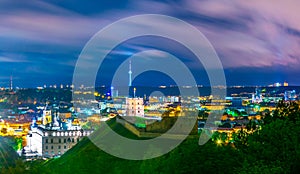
<point x="290" y="95"/>
<point x="50" y="143"/>
<point x="135" y="107"/>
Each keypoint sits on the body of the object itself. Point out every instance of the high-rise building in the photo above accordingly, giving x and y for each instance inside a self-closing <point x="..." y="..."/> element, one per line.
<point x="112" y="91"/>
<point x="290" y="95"/>
<point x="277" y="84"/>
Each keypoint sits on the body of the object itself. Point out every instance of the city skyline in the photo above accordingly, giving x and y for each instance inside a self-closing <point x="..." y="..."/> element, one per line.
<point x="257" y="42"/>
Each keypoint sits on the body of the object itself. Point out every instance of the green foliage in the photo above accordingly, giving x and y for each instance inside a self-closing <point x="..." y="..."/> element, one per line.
<point x="285" y="111"/>
<point x="270" y="146"/>
<point x="8" y="155"/>
<point x="203" y="114"/>
<point x="220" y="136"/>
<point x="18" y="143"/>
<point x="275" y="147"/>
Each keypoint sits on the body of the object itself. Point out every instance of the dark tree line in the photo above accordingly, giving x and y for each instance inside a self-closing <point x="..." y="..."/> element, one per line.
<point x="269" y="146"/>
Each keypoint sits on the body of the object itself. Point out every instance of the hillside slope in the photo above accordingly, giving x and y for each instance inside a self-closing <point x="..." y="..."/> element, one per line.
<point x="8" y="155"/>
<point x="189" y="157"/>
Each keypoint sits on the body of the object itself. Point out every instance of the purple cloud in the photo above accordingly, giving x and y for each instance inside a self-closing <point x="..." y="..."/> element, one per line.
<point x="256" y="34"/>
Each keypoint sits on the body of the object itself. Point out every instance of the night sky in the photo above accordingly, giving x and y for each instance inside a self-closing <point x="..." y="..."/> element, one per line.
<point x="257" y="41"/>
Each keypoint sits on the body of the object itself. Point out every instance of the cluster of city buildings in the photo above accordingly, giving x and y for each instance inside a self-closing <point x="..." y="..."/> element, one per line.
<point x="49" y="129"/>
<point x="54" y="135"/>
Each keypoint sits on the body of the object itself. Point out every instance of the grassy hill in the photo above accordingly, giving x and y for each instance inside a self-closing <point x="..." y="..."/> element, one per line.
<point x="272" y="147"/>
<point x="189" y="157"/>
<point x="8" y="155"/>
<point x="85" y="157"/>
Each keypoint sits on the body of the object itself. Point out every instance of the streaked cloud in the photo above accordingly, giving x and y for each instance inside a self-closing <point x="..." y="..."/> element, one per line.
<point x="49" y="35"/>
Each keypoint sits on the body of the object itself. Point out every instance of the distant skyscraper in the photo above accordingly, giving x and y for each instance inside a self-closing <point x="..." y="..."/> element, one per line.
<point x="290" y="95"/>
<point x="112" y="92"/>
<point x="277" y="84"/>
<point x="285" y="84"/>
<point x="130" y="73"/>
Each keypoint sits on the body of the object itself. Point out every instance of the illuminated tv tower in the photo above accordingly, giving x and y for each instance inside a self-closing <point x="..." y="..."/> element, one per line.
<point x="11" y="82"/>
<point x="130" y="73"/>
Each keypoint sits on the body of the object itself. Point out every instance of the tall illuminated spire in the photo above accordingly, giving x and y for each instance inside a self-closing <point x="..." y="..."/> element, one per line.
<point x="130" y="73"/>
<point x="11" y="82"/>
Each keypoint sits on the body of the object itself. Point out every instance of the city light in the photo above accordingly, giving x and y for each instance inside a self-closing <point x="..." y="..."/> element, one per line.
<point x="150" y="86"/>
<point x="219" y="142"/>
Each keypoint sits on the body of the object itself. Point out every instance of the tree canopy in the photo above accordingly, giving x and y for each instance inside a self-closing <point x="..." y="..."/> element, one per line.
<point x="269" y="146"/>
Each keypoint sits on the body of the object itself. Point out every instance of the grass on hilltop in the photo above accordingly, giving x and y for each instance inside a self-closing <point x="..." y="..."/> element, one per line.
<point x="189" y="157"/>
